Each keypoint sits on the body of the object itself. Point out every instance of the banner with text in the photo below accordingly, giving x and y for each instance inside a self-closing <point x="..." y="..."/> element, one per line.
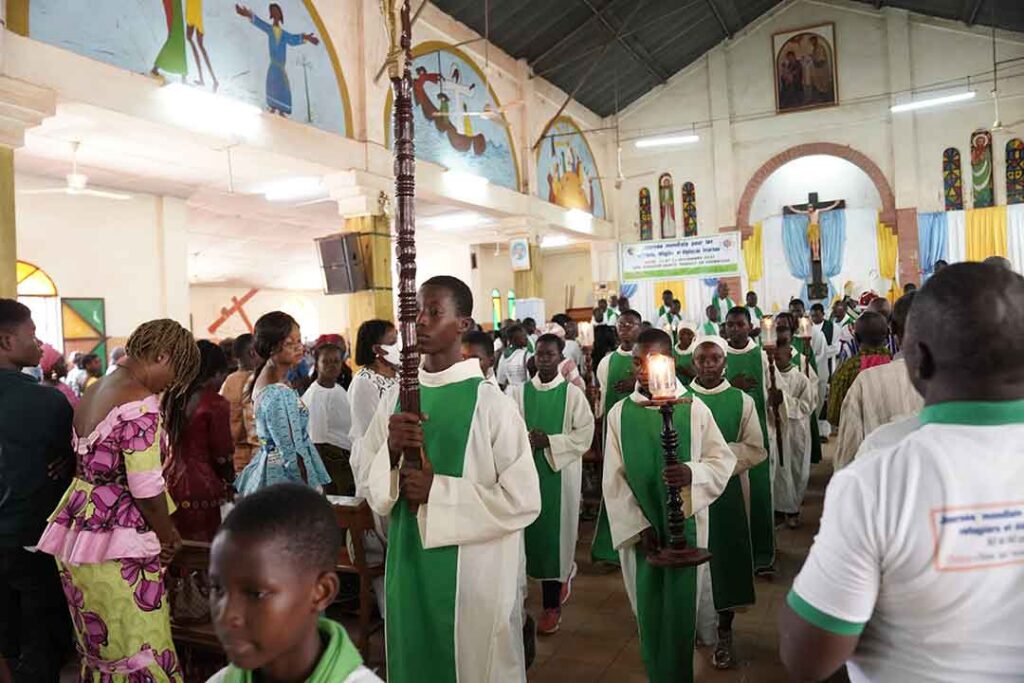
<point x="710" y="256"/>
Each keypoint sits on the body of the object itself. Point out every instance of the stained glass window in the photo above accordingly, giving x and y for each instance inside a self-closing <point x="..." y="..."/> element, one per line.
<point x="511" y="304"/>
<point x="689" y="198"/>
<point x="37" y="291"/>
<point x="496" y="308"/>
<point x="667" y="206"/>
<point x="646" y="219"/>
<point x="1015" y="171"/>
<point x="952" y="179"/>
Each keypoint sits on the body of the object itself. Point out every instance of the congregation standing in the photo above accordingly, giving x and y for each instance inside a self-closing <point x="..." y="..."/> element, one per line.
<point x="104" y="477"/>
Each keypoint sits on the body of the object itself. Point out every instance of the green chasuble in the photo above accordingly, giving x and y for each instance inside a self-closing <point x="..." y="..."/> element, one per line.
<point x="545" y="410"/>
<point x="798" y="346"/>
<point x="683" y="360"/>
<point x="619" y="367"/>
<point x="421" y="584"/>
<point x="762" y="510"/>
<point x="732" y="559"/>
<point x="666" y="599"/>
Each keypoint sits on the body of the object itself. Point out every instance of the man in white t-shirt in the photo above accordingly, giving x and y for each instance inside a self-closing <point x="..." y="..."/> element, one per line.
<point x="917" y="570"/>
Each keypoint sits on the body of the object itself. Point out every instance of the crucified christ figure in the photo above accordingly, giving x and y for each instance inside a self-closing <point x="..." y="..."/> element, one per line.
<point x="813" y="227"/>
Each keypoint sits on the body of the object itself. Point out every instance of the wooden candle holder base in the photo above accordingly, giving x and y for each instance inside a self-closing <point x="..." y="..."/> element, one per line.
<point x="679" y="557"/>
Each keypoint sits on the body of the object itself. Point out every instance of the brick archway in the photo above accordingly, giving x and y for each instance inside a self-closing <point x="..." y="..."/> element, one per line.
<point x="858" y="159"/>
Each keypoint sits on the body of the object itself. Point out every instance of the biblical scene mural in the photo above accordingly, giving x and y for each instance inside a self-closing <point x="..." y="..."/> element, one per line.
<point x="646" y="219"/>
<point x="981" y="169"/>
<point x="273" y="55"/>
<point x="805" y="68"/>
<point x="566" y="170"/>
<point x="458" y="122"/>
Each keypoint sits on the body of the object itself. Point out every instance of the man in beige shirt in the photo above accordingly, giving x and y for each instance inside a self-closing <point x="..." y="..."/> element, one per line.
<point x="243" y="418"/>
<point x="879" y="395"/>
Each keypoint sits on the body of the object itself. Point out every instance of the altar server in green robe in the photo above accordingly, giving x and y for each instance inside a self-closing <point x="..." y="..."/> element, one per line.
<point x="728" y="582"/>
<point x="664" y="600"/>
<point x="686" y="342"/>
<point x="455" y="539"/>
<point x="746" y="368"/>
<point x="561" y="429"/>
<point x="616" y="380"/>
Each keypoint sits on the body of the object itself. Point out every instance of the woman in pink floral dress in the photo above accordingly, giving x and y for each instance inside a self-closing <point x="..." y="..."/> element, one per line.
<point x="112" y="533"/>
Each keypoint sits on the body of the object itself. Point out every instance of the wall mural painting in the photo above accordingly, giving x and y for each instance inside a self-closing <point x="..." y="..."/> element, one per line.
<point x="457" y="118"/>
<point x="1015" y="171"/>
<point x="952" y="179"/>
<point x="667" y="205"/>
<point x="566" y="171"/>
<point x="646" y="218"/>
<point x="689" y="200"/>
<point x="806" y="74"/>
<point x="276" y="56"/>
<point x="981" y="169"/>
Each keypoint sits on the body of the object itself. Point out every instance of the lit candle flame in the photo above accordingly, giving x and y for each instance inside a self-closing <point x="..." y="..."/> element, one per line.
<point x="769" y="336"/>
<point x="805" y="328"/>
<point x="661" y="376"/>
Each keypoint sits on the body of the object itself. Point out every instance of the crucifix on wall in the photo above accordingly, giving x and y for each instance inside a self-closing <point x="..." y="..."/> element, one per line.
<point x="817" y="288"/>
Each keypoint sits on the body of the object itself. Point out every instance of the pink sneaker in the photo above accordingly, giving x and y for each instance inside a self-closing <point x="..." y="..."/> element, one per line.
<point x="549" y="621"/>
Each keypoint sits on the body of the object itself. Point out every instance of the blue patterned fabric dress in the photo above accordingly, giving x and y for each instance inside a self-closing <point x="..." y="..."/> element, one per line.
<point x="282" y="426"/>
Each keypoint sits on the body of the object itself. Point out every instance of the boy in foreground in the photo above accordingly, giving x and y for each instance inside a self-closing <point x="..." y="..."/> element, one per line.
<point x="455" y="538"/>
<point x="664" y="600"/>
<point x="561" y="429"/>
<point x="271" y="576"/>
<point x="731" y="572"/>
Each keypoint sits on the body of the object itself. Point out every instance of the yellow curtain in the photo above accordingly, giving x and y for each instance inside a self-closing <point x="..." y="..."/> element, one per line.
<point x="677" y="288"/>
<point x="887" y="258"/>
<point x="753" y="255"/>
<point x="986" y="233"/>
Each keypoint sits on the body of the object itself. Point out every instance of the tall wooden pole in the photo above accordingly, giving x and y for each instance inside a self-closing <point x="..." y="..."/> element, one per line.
<point x="396" y="17"/>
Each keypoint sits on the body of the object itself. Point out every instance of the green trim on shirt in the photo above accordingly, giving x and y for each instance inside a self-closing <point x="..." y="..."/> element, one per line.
<point x="976" y="413"/>
<point x="822" y="620"/>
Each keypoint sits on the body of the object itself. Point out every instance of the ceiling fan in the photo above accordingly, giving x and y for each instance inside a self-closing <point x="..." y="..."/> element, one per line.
<point x="77" y="183"/>
<point x="997" y="124"/>
<point x="619" y="176"/>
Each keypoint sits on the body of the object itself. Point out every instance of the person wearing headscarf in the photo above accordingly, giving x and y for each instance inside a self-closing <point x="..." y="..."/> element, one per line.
<point x="55" y="369"/>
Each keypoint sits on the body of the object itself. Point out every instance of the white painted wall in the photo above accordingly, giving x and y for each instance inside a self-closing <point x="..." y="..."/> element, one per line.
<point x="563" y="269"/>
<point x="316" y="313"/>
<point x="130" y="253"/>
<point x="831" y="177"/>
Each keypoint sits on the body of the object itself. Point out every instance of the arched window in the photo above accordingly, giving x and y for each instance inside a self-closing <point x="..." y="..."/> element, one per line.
<point x="511" y="305"/>
<point x="1015" y="171"/>
<point x="952" y="179"/>
<point x="646" y="219"/>
<point x="496" y="308"/>
<point x="667" y="206"/>
<point x="37" y="290"/>
<point x="689" y="199"/>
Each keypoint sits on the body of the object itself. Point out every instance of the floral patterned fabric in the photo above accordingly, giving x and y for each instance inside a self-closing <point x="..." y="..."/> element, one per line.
<point x="107" y="555"/>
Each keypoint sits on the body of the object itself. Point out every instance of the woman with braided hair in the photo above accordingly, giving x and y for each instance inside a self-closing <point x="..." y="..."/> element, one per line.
<point x="112" y="534"/>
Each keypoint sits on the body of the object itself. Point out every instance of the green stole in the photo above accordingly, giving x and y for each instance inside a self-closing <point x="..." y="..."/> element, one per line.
<point x="732" y="559"/>
<point x="717" y="303"/>
<point x="545" y="410"/>
<point x="682" y="360"/>
<point x="619" y="367"/>
<point x="828" y="329"/>
<point x="421" y="585"/>
<point x="798" y="345"/>
<point x="339" y="659"/>
<point x="666" y="599"/>
<point x="762" y="510"/>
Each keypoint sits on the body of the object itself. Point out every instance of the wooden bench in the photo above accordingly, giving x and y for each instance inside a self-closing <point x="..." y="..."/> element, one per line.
<point x="354" y="515"/>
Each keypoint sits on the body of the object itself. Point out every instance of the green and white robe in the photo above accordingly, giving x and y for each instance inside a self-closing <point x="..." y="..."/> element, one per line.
<point x="727" y="582"/>
<point x="799" y="398"/>
<point x="723" y="306"/>
<point x="684" y="358"/>
<point x="615" y="366"/>
<point x="561" y="411"/>
<point x="752" y="361"/>
<point x="452" y="575"/>
<point x="663" y="600"/>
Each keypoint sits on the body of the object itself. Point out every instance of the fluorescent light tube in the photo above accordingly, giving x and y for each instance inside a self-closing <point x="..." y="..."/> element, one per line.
<point x="932" y="102"/>
<point x="667" y="140"/>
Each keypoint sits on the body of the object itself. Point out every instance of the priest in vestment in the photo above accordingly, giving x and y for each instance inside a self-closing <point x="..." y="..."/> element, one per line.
<point x="879" y="395"/>
<point x="455" y="538"/>
<point x="664" y="600"/>
<point x="721" y="300"/>
<point x="561" y="429"/>
<point x="728" y="582"/>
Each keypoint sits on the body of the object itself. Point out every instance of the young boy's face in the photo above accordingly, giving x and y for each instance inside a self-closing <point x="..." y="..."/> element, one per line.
<point x="547" y="359"/>
<point x="641" y="352"/>
<point x="709" y="362"/>
<point x="783" y="330"/>
<point x="477" y="351"/>
<point x="751" y="299"/>
<point x="783" y="354"/>
<point x="817" y="315"/>
<point x="737" y="329"/>
<point x="439" y="326"/>
<point x="628" y="328"/>
<point x="519" y="338"/>
<point x="685" y="336"/>
<point x="263" y="602"/>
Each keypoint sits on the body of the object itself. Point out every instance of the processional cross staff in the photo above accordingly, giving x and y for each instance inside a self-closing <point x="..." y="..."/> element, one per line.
<point x="399" y="60"/>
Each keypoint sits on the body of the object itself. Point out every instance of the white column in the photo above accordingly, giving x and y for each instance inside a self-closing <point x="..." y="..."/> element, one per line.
<point x="904" y="132"/>
<point x="722" y="151"/>
<point x="172" y="258"/>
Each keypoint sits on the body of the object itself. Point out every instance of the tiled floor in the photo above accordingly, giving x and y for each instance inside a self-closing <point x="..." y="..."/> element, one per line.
<point x="598" y="641"/>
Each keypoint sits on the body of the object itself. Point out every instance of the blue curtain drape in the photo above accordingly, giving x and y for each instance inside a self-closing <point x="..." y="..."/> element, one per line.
<point x="798" y="251"/>
<point x="833" y="246"/>
<point x="628" y="290"/>
<point x="932" y="240"/>
<point x="795" y="247"/>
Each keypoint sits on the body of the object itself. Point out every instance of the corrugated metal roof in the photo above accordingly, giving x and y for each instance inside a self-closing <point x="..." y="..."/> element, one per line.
<point x="588" y="47"/>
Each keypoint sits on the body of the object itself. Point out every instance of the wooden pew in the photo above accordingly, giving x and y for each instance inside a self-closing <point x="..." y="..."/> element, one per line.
<point x="354" y="515"/>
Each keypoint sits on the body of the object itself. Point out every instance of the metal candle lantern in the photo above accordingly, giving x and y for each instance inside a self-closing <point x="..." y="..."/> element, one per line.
<point x="770" y="339"/>
<point x="398" y="25"/>
<point x="804" y="332"/>
<point x="661" y="383"/>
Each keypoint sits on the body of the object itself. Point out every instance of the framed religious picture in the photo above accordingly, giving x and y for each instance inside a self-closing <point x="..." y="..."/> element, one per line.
<point x="806" y="75"/>
<point x="519" y="253"/>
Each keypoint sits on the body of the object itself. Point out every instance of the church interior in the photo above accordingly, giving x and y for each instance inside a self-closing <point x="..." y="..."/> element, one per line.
<point x="157" y="161"/>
